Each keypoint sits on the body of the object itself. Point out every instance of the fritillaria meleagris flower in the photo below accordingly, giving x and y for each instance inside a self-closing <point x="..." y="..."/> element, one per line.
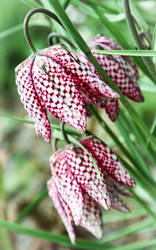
<point x="54" y="79"/>
<point x="76" y="189"/>
<point x="122" y="70"/>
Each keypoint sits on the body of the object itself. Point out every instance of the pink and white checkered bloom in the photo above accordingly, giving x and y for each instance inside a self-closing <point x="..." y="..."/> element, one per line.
<point x="123" y="71"/>
<point x="76" y="189"/>
<point x="55" y="79"/>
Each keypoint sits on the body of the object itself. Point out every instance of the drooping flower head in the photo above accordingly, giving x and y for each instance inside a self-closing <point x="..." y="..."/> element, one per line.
<point x="122" y="70"/>
<point x="54" y="79"/>
<point x="76" y="189"/>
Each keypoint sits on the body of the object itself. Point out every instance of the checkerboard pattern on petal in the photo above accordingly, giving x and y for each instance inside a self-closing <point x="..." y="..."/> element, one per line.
<point x="121" y="69"/>
<point x="81" y="190"/>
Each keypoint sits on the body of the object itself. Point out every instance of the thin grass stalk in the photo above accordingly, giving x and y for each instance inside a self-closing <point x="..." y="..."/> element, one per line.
<point x="59" y="239"/>
<point x="66" y="3"/>
<point x="139" y="137"/>
<point x="53" y="126"/>
<point x="129" y="230"/>
<point x="83" y="46"/>
<point x="31" y="206"/>
<point x="142" y="166"/>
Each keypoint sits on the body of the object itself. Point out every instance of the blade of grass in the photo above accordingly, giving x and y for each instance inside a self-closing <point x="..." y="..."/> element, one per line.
<point x="128" y="52"/>
<point x="141" y="142"/>
<point x="129" y="230"/>
<point x="32" y="4"/>
<point x="141" y="163"/>
<point x="66" y="3"/>
<point x="112" y="217"/>
<point x="53" y="126"/>
<point x="59" y="239"/>
<point x="31" y="206"/>
<point x="143" y="244"/>
<point x="17" y="28"/>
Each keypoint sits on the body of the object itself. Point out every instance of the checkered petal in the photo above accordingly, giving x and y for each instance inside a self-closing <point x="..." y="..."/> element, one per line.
<point x="62" y="208"/>
<point x="108" y="161"/>
<point x="92" y="217"/>
<point x="57" y="91"/>
<point x="87" y="81"/>
<point x="116" y="202"/>
<point x="122" y="70"/>
<point x="120" y="188"/>
<point x="111" y="107"/>
<point x="67" y="186"/>
<point x="83" y="170"/>
<point x="30" y="99"/>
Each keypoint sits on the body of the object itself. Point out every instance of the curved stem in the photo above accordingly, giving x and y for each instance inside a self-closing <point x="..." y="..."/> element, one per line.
<point x="130" y="22"/>
<point x="26" y="22"/>
<point x="54" y="145"/>
<point x="64" y="133"/>
<point x="53" y="35"/>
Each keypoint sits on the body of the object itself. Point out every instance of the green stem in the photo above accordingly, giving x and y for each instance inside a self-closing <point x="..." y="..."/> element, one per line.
<point x="66" y="3"/>
<point x="84" y="47"/>
<point x="26" y="22"/>
<point x="130" y="22"/>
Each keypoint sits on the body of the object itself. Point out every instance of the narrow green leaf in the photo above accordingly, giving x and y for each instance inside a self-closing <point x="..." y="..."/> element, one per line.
<point x="53" y="126"/>
<point x="31" y="3"/>
<point x="59" y="239"/>
<point x="143" y="168"/>
<point x="111" y="217"/>
<point x="19" y="27"/>
<point x="129" y="230"/>
<point x="128" y="52"/>
<point x="154" y="42"/>
<point x="143" y="244"/>
<point x="31" y="206"/>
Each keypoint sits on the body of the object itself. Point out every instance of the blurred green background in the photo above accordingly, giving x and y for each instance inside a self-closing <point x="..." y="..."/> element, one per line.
<point x="24" y="157"/>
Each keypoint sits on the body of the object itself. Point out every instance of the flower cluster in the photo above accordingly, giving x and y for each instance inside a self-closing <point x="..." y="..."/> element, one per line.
<point x="55" y="79"/>
<point x="62" y="82"/>
<point x="76" y="189"/>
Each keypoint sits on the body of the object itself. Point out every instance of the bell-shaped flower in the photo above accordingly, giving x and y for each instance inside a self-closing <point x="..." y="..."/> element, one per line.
<point x="121" y="69"/>
<point x="55" y="80"/>
<point x="77" y="190"/>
